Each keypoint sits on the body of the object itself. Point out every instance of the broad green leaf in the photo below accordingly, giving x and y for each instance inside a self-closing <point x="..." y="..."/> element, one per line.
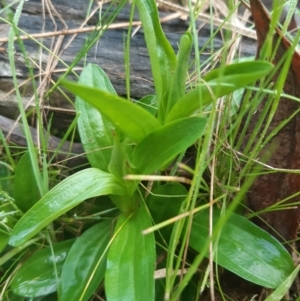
<point x="94" y="129"/>
<point x="85" y="265"/>
<point x="7" y="221"/>
<point x="164" y="203"/>
<point x="66" y="195"/>
<point x="37" y="276"/>
<point x="218" y="83"/>
<point x="120" y="165"/>
<point x="162" y="56"/>
<point x="178" y="84"/>
<point x="10" y="296"/>
<point x="149" y="103"/>
<point x="161" y="146"/>
<point x="4" y="238"/>
<point x="131" y="259"/>
<point x="8" y="218"/>
<point x="26" y="191"/>
<point x="6" y="177"/>
<point x="283" y="289"/>
<point x="126" y="203"/>
<point x="126" y="116"/>
<point x="245" y="249"/>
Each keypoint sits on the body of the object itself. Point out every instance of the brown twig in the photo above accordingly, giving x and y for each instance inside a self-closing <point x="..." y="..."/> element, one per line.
<point x="71" y="31"/>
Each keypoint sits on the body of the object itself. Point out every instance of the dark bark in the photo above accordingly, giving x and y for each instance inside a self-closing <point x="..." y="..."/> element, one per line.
<point x="282" y="151"/>
<point x="68" y="154"/>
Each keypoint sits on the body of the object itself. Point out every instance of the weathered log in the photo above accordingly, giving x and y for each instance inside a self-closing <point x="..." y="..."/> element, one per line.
<point x="68" y="154"/>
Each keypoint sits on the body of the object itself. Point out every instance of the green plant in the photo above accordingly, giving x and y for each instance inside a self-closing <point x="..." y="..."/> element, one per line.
<point x="123" y="138"/>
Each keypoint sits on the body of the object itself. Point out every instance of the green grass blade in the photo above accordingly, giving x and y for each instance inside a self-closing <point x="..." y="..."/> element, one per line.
<point x="8" y="214"/>
<point x="31" y="148"/>
<point x="106" y="19"/>
<point x="283" y="289"/>
<point x="63" y="197"/>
